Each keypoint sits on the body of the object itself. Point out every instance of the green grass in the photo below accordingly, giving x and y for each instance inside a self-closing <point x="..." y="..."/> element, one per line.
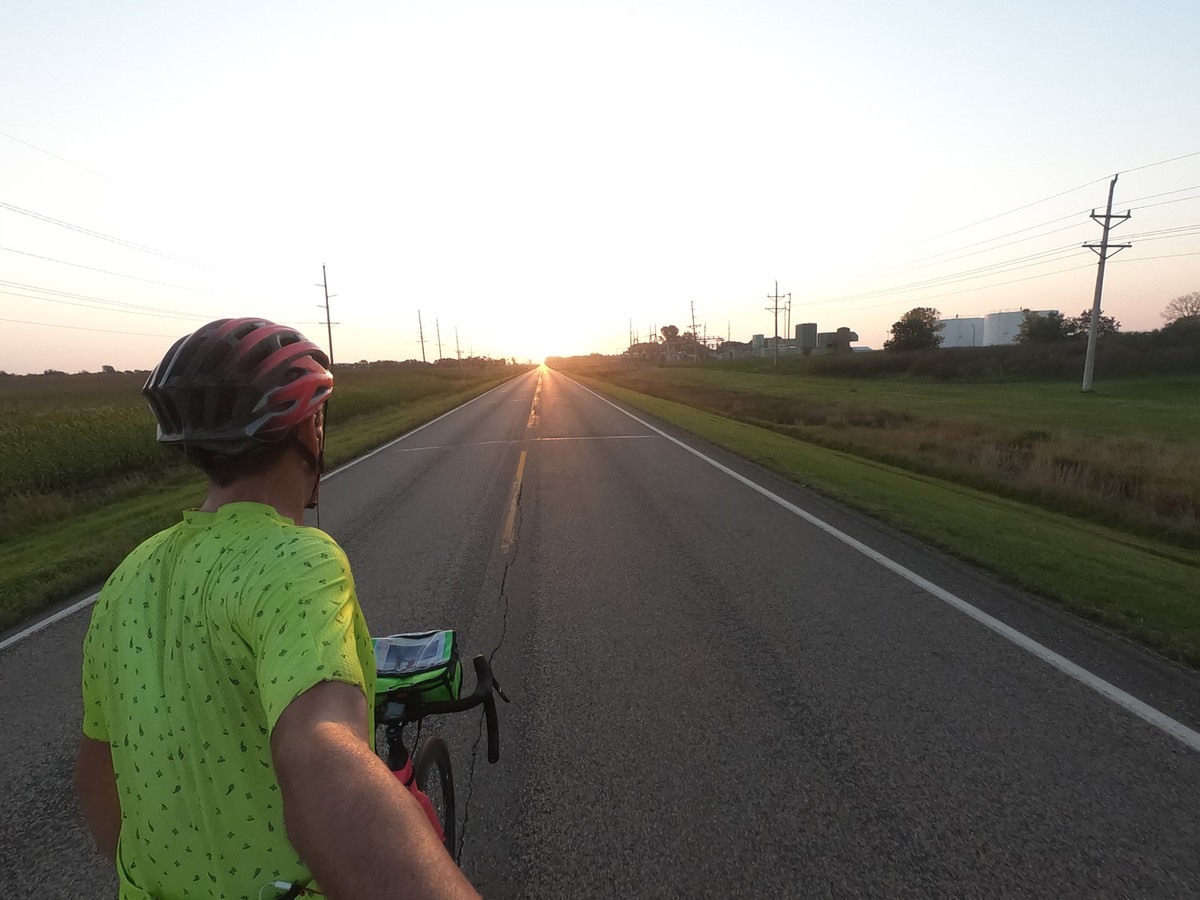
<point x="1121" y="457"/>
<point x="1145" y="588"/>
<point x="1164" y="407"/>
<point x="69" y="535"/>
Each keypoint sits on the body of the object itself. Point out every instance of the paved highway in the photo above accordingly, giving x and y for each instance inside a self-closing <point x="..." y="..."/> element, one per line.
<point x="712" y="696"/>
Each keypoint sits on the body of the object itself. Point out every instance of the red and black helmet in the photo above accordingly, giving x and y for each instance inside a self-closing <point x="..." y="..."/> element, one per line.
<point x="236" y="384"/>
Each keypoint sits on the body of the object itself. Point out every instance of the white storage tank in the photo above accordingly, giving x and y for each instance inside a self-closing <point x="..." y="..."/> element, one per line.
<point x="806" y="335"/>
<point x="1004" y="326"/>
<point x="963" y="332"/>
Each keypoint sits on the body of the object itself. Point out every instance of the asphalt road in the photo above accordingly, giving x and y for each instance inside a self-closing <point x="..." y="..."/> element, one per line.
<point x="711" y="696"/>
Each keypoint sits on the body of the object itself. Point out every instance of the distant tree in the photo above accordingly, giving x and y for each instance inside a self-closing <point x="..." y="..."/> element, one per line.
<point x="108" y="370"/>
<point x="1079" y="325"/>
<point x="1184" y="307"/>
<point x="918" y="329"/>
<point x="1042" y="328"/>
<point x="670" y="333"/>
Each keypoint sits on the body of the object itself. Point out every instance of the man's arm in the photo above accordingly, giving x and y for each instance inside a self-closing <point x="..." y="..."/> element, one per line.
<point x="357" y="828"/>
<point x="96" y="787"/>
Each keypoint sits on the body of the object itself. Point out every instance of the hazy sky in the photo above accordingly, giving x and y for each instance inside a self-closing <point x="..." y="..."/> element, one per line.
<point x="536" y="175"/>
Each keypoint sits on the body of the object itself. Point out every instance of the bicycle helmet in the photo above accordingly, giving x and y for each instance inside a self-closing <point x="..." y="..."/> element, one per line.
<point x="235" y="385"/>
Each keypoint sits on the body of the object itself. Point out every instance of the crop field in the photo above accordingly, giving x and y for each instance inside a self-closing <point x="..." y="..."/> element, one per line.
<point x="76" y="449"/>
<point x="1122" y="456"/>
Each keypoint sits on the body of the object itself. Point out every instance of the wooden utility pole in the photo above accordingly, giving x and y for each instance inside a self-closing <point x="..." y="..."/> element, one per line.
<point x="421" y="331"/>
<point x="457" y="347"/>
<point x="1103" y="251"/>
<point x="438" y="326"/>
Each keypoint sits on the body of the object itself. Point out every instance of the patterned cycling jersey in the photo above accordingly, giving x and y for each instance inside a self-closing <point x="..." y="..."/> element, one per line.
<point x="199" y="641"/>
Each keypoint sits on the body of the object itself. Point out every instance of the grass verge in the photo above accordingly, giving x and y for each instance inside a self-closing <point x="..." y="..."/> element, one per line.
<point x="1135" y="585"/>
<point x="58" y="559"/>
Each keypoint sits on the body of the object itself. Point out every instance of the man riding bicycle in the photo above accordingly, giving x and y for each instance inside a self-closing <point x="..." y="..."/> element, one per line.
<point x="227" y="735"/>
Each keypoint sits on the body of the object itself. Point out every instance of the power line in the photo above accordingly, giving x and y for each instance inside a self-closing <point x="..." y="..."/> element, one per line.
<point x="1166" y="202"/>
<point x="1003" y="214"/>
<point x="1161" y="162"/>
<point x="182" y="287"/>
<point x="1031" y="237"/>
<point x="99" y="234"/>
<point x="974" y="289"/>
<point x="1164" y="194"/>
<point x="106" y="304"/>
<point x="1117" y="262"/>
<point x="1047" y="199"/>
<point x="1021" y="262"/>
<point x="82" y="328"/>
<point x="1018" y="263"/>
<point x="56" y="156"/>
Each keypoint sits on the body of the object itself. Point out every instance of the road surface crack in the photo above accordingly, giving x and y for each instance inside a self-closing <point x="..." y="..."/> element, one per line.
<point x="479" y="734"/>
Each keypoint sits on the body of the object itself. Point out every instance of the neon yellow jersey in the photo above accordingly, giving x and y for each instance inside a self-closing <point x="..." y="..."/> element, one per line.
<point x="200" y="639"/>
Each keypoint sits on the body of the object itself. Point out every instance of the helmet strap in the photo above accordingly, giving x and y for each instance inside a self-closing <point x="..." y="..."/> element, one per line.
<point x="316" y="462"/>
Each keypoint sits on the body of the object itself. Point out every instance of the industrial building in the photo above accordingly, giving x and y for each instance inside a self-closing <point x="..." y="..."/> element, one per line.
<point x="807" y="341"/>
<point x="994" y="329"/>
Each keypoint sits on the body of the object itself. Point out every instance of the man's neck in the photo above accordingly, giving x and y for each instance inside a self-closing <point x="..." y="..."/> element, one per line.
<point x="282" y="491"/>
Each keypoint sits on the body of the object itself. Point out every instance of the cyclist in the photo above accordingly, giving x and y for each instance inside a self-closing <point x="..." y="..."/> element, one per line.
<point x="227" y="735"/>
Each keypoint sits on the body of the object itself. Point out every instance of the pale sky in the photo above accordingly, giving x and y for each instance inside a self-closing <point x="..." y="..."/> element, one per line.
<point x="536" y="175"/>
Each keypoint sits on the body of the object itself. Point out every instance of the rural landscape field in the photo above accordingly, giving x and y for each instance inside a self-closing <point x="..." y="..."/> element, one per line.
<point x="82" y="479"/>
<point x="1087" y="499"/>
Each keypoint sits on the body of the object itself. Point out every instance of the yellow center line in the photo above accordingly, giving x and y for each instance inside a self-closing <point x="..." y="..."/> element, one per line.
<point x="511" y="522"/>
<point x="534" y="418"/>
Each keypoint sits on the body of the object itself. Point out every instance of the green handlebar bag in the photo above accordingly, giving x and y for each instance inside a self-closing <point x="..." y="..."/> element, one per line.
<point x="418" y="666"/>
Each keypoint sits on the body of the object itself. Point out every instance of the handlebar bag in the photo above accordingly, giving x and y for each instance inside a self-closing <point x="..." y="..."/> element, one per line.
<point x="421" y="665"/>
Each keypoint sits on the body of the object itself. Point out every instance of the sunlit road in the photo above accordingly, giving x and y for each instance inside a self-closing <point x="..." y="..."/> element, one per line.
<point x="711" y="696"/>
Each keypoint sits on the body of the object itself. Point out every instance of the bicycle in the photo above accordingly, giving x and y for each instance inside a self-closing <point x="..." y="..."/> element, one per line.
<point x="418" y="682"/>
<point x="420" y="675"/>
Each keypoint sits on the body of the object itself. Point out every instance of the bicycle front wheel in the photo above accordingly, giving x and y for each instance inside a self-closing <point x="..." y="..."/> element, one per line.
<point x="436" y="779"/>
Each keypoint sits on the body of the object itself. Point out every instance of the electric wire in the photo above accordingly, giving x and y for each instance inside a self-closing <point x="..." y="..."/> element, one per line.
<point x="1165" y="202"/>
<point x="55" y="155"/>
<point x="1003" y="214"/>
<point x="182" y="287"/>
<point x="90" y="232"/>
<point x="981" y="249"/>
<point x="83" y="328"/>
<point x="1161" y="162"/>
<point x="1023" y="262"/>
<point x="1049" y="198"/>
<point x="975" y="289"/>
<point x="105" y="304"/>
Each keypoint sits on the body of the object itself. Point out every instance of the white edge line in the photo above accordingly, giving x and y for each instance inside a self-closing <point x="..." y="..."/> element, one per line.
<point x="1104" y="688"/>
<point x="49" y="620"/>
<point x="88" y="601"/>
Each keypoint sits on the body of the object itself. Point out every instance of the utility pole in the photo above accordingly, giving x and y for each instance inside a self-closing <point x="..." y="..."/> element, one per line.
<point x="438" y="326"/>
<point x="457" y="347"/>
<point x="328" y="324"/>
<point x="421" y="331"/>
<point x="775" y="298"/>
<point x="695" y="336"/>
<point x="788" y="329"/>
<point x="1102" y="250"/>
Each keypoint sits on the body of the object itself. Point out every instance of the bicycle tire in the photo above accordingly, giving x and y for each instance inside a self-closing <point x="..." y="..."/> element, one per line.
<point x="436" y="778"/>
